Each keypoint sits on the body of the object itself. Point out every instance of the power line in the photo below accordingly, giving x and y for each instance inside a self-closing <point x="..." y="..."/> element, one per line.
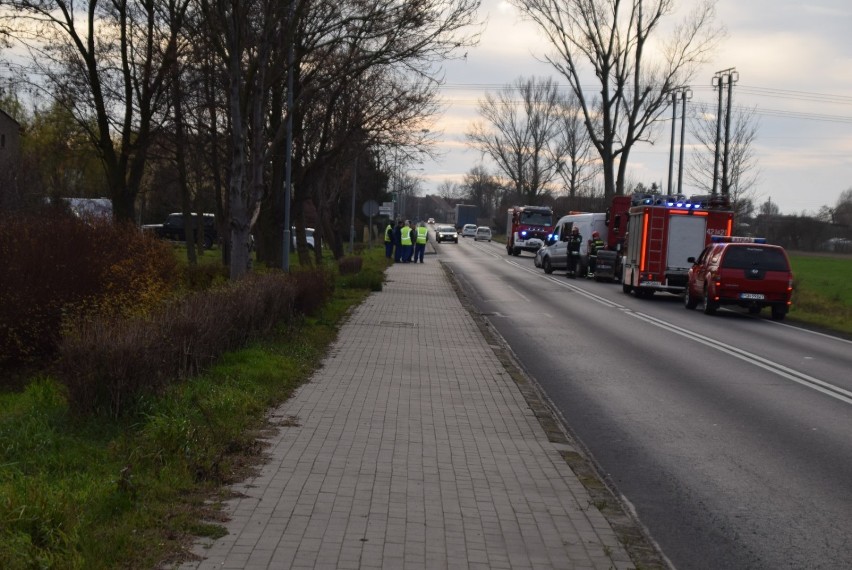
<point x="773" y="93"/>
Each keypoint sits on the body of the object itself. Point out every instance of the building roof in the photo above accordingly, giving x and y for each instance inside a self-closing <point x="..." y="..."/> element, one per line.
<point x="10" y="117"/>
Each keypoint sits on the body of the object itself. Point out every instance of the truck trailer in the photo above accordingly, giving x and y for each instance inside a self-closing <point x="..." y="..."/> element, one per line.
<point x="466" y="214"/>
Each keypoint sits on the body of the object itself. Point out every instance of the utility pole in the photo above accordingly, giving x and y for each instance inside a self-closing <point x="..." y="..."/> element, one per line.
<point x="288" y="168"/>
<point x="352" y="224"/>
<point x="718" y="82"/>
<point x="671" y="147"/>
<point x="733" y="77"/>
<point x="686" y="95"/>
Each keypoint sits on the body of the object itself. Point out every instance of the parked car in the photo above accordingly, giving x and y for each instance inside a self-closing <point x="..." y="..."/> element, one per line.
<point x="468" y="230"/>
<point x="309" y="236"/>
<point x="482" y="233"/>
<point x="746" y="272"/>
<point x="174" y="228"/>
<point x="446" y="233"/>
<point x="539" y="256"/>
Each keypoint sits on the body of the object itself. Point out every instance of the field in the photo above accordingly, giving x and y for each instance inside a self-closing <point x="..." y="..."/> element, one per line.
<point x="822" y="293"/>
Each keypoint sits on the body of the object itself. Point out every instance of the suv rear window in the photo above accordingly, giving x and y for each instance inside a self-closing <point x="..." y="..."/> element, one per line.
<point x="746" y="257"/>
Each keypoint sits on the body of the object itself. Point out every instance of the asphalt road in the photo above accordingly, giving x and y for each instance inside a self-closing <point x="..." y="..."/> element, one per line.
<point x="730" y="435"/>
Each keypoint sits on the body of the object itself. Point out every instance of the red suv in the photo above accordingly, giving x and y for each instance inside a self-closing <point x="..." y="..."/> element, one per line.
<point x="741" y="271"/>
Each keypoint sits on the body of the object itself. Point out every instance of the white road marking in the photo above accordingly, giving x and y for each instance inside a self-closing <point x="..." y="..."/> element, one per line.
<point x="822" y="386"/>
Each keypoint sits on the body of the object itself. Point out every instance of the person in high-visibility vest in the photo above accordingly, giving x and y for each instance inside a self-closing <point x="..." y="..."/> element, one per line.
<point x="420" y="242"/>
<point x="389" y="240"/>
<point x="397" y="242"/>
<point x="405" y="241"/>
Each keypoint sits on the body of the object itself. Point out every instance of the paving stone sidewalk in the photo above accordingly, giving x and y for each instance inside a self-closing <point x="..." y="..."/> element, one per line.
<point x="412" y="447"/>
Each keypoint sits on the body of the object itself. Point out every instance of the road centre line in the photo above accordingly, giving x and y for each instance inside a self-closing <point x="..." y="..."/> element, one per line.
<point x="835" y="392"/>
<point x="805" y="380"/>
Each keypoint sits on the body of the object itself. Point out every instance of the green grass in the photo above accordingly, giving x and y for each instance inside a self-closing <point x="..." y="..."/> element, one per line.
<point x="822" y="293"/>
<point x="100" y="494"/>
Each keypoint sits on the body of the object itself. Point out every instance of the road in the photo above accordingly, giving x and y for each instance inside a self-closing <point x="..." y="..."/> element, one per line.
<point x="731" y="435"/>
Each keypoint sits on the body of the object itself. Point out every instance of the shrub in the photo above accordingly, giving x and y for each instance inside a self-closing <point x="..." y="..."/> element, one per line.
<point x="350" y="265"/>
<point x="108" y="363"/>
<point x="59" y="269"/>
<point x="313" y="288"/>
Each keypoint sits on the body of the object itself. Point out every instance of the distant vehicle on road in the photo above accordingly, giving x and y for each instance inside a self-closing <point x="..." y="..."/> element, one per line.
<point x="469" y="230"/>
<point x="446" y="233"/>
<point x="430" y="221"/>
<point x="482" y="233"/>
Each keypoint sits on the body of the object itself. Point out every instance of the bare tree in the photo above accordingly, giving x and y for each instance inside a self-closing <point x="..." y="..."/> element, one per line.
<point x="842" y="212"/>
<point x="633" y="81"/>
<point x="577" y="166"/>
<point x="518" y="130"/>
<point x="481" y="188"/>
<point x="742" y="165"/>
<point x="449" y="190"/>
<point x="109" y="62"/>
<point x="334" y="44"/>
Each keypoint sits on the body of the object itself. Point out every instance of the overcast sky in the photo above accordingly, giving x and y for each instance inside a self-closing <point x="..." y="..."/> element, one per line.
<point x="794" y="61"/>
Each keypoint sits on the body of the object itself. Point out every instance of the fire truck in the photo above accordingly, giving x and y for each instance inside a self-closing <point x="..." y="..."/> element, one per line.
<point x="609" y="260"/>
<point x="527" y="228"/>
<point x="662" y="233"/>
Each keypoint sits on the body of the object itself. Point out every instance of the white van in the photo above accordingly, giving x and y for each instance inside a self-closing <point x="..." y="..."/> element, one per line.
<point x="556" y="254"/>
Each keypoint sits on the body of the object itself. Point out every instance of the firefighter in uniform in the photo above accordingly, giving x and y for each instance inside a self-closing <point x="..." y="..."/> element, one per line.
<point x="575" y="241"/>
<point x="420" y="242"/>
<point x="596" y="244"/>
<point x="389" y="240"/>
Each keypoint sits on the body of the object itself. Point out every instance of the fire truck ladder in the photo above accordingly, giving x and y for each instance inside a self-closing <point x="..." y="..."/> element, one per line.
<point x="656" y="231"/>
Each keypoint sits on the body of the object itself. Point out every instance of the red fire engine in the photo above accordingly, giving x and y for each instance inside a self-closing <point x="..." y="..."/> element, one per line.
<point x="527" y="228"/>
<point x="662" y="232"/>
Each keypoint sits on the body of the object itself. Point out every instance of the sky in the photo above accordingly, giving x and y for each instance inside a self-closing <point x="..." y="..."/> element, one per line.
<point x="794" y="61"/>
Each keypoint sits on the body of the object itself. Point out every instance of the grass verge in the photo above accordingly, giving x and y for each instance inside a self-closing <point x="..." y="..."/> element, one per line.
<point x="105" y="494"/>
<point x="822" y="294"/>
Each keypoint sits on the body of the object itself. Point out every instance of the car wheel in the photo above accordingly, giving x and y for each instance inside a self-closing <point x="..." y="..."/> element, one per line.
<point x="548" y="267"/>
<point x="778" y="313"/>
<point x="709" y="306"/>
<point x="516" y="251"/>
<point x="689" y="301"/>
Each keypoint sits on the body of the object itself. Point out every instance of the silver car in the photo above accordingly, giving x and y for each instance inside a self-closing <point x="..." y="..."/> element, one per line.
<point x="469" y="230"/>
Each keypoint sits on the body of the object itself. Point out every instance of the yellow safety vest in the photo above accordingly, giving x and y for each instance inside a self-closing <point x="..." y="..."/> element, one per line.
<point x="421" y="235"/>
<point x="389" y="234"/>
<point x="405" y="236"/>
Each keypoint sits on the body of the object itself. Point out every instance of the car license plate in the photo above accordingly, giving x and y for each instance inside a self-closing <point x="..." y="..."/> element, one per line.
<point x="755" y="296"/>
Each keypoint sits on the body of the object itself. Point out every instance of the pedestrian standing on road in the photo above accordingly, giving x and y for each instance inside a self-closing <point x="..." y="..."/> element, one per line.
<point x="405" y="241"/>
<point x="397" y="242"/>
<point x="575" y="241"/>
<point x="389" y="240"/>
<point x="596" y="244"/>
<point x="420" y="242"/>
